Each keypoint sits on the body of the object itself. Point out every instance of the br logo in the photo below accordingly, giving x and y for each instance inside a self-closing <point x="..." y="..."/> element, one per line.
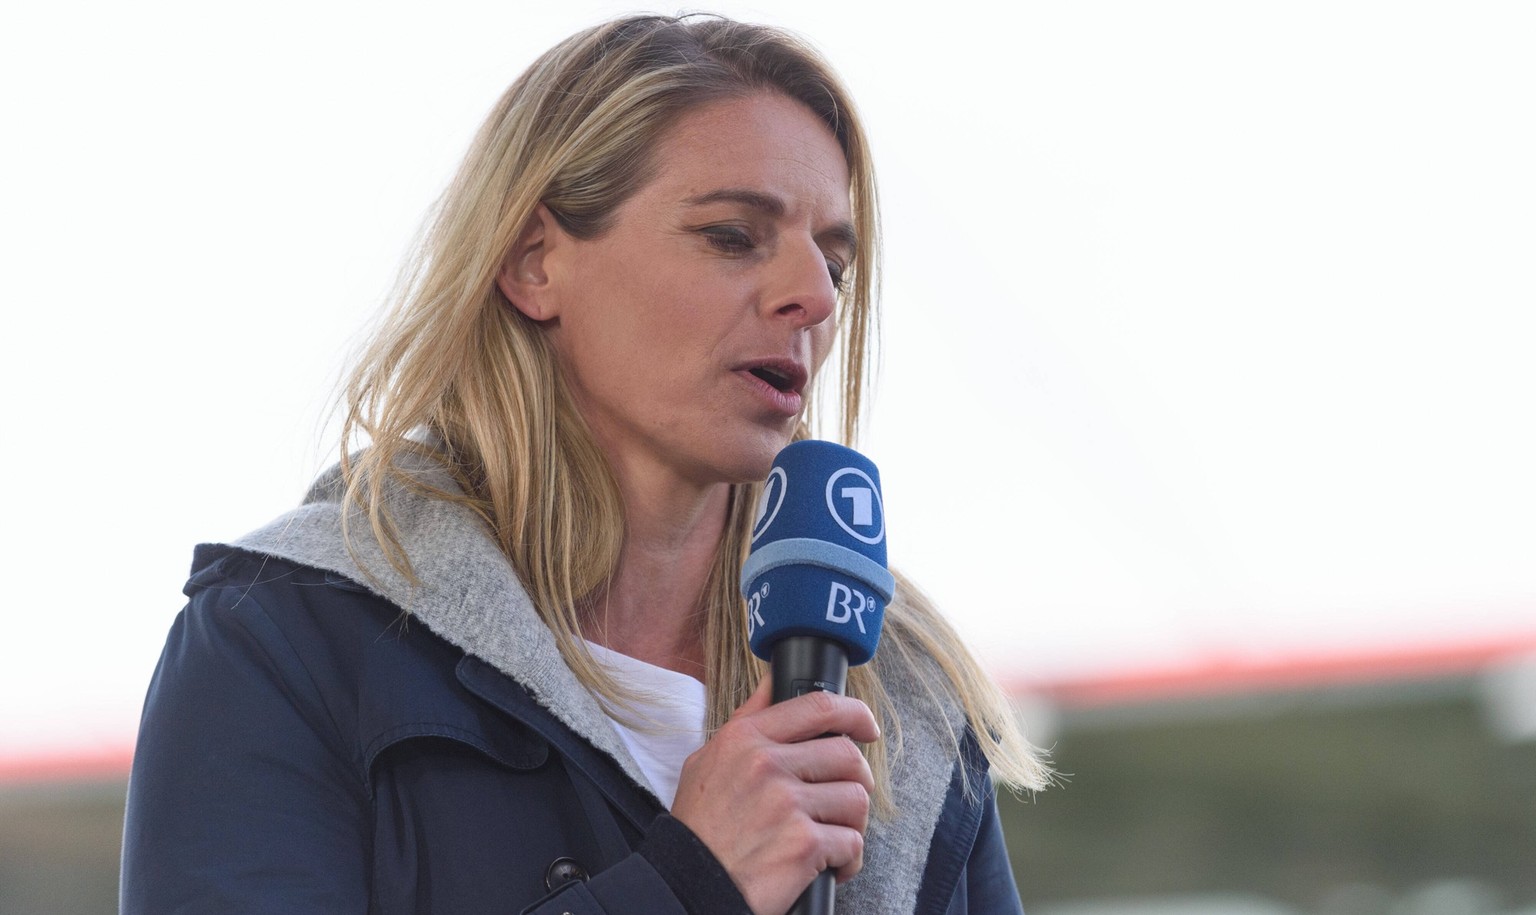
<point x="854" y="501"/>
<point x="844" y="603"/>
<point x="770" y="501"/>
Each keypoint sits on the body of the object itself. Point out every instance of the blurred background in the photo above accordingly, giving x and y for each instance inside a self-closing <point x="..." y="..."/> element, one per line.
<point x="1223" y="312"/>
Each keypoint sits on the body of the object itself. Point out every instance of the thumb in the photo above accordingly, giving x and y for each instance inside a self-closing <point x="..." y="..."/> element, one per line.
<point x="761" y="698"/>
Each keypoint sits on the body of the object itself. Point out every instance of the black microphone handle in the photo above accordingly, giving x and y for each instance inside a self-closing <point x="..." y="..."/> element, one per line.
<point x="807" y="664"/>
<point x="803" y="664"/>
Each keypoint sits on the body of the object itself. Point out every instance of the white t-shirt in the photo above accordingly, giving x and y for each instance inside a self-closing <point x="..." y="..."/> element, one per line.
<point x="671" y="711"/>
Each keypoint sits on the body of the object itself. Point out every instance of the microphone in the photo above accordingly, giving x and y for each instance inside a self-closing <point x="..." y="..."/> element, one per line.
<point x="816" y="583"/>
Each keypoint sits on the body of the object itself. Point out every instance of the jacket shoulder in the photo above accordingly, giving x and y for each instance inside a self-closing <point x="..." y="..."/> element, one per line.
<point x="370" y="672"/>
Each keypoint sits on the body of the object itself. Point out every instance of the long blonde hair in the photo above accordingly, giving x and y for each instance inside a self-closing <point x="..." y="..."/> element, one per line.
<point x="575" y="133"/>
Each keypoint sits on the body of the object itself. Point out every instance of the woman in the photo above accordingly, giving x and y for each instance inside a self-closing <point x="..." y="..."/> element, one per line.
<point x="498" y="661"/>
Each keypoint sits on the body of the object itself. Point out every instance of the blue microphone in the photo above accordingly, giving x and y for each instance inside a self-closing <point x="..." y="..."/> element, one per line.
<point x="817" y="565"/>
<point x="816" y="582"/>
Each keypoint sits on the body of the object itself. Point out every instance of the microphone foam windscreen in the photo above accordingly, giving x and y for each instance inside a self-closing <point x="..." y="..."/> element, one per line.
<point x="817" y="565"/>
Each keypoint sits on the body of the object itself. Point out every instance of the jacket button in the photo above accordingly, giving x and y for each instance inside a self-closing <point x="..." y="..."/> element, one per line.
<point x="562" y="871"/>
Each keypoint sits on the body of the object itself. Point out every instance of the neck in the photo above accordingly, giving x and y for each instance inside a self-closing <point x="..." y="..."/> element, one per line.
<point x="653" y="607"/>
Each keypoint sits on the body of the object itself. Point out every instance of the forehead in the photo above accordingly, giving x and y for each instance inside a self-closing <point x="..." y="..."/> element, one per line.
<point x="765" y="142"/>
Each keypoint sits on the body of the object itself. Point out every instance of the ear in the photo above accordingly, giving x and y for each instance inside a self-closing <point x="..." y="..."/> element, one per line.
<point x="524" y="276"/>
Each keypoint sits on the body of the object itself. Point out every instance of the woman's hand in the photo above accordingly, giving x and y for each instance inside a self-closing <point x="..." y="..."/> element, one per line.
<point x="775" y="802"/>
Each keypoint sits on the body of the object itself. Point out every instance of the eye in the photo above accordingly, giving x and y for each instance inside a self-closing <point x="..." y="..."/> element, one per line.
<point x="837" y="271"/>
<point x="729" y="239"/>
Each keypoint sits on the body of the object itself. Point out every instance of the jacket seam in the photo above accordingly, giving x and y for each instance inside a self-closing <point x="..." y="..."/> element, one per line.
<point x="318" y="694"/>
<point x="399" y="732"/>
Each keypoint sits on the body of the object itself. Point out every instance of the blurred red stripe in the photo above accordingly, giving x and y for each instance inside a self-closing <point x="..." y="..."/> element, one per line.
<point x="1239" y="674"/>
<point x="1213" y="677"/>
<point x="88" y="765"/>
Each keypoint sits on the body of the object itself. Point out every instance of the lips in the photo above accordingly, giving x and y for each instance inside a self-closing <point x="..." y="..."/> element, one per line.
<point x="781" y="382"/>
<point x="778" y="382"/>
<point x="783" y="375"/>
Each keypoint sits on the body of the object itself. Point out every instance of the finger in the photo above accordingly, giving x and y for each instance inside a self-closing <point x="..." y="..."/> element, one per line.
<point x="826" y="760"/>
<point x="835" y="848"/>
<point x="816" y="714"/>
<point x="761" y="698"/>
<point x="844" y="804"/>
<point x="846" y="856"/>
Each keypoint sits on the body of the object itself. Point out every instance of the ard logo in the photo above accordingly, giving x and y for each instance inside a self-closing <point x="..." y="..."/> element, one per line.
<point x="854" y="501"/>
<point x="770" y="501"/>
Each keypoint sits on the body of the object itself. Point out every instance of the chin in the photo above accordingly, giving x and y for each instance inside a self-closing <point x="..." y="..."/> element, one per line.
<point x="753" y="469"/>
<point x="752" y="458"/>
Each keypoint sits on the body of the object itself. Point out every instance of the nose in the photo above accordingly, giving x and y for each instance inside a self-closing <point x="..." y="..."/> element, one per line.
<point x="800" y="288"/>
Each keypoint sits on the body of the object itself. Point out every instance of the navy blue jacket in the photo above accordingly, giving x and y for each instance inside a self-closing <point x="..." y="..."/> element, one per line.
<point x="306" y="746"/>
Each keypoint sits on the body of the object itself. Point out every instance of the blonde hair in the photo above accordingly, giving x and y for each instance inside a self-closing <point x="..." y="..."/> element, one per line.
<point x="575" y="133"/>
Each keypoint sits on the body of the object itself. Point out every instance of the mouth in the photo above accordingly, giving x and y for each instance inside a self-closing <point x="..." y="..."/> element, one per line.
<point x="780" y="381"/>
<point x="783" y="375"/>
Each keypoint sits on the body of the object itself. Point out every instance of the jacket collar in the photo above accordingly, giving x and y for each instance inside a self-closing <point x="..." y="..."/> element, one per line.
<point x="469" y="595"/>
<point x="466" y="592"/>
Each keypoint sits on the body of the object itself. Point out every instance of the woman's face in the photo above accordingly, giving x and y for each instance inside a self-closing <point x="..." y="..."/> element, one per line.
<point x="690" y="330"/>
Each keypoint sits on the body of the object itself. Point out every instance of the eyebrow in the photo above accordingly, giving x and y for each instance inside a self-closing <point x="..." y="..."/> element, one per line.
<point x="842" y="232"/>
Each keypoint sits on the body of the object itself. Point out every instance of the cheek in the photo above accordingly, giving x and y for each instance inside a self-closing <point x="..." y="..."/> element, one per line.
<point x="605" y="320"/>
<point x="822" y="340"/>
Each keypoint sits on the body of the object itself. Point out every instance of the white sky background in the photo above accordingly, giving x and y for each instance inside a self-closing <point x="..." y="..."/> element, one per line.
<point x="1208" y="326"/>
